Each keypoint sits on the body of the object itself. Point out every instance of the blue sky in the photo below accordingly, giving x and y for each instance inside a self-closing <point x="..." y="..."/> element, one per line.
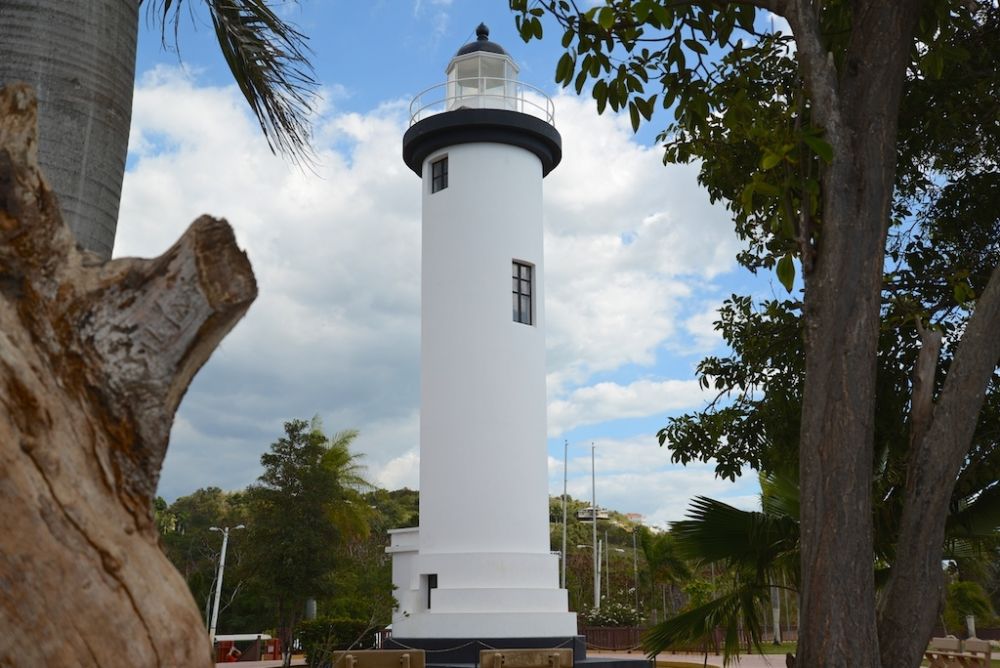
<point x="637" y="260"/>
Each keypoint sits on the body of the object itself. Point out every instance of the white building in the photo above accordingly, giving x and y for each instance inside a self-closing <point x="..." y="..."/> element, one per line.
<point x="479" y="565"/>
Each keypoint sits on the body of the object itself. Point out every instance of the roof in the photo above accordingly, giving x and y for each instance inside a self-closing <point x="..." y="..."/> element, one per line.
<point x="482" y="43"/>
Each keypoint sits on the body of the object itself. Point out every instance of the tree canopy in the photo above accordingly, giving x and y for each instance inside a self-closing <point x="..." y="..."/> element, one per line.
<point x="857" y="156"/>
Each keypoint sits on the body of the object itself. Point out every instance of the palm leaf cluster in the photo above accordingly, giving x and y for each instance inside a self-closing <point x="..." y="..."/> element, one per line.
<point x="268" y="59"/>
<point x="756" y="550"/>
<point x="759" y="550"/>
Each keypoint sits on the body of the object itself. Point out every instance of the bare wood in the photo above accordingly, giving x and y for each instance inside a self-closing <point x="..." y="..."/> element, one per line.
<point x="922" y="399"/>
<point x="94" y="360"/>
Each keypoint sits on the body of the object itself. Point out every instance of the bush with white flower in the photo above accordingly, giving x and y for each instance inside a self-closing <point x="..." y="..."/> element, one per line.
<point x="612" y="613"/>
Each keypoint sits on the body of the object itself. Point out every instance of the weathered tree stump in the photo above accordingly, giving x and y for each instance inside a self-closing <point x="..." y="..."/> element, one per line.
<point x="94" y="360"/>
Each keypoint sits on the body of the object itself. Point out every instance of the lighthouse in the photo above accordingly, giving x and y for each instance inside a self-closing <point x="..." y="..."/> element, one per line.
<point x="479" y="565"/>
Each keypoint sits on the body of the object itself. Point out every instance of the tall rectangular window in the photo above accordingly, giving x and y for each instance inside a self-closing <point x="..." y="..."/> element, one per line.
<point x="439" y="174"/>
<point x="522" y="292"/>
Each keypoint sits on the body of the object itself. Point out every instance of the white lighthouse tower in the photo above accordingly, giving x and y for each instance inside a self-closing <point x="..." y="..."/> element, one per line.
<point x="479" y="565"/>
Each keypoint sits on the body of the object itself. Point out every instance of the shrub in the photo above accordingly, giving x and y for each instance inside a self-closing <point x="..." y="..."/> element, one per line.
<point x="612" y="613"/>
<point x="322" y="636"/>
<point x="966" y="598"/>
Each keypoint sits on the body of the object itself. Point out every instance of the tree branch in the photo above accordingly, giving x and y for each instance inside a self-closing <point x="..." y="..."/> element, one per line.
<point x="922" y="397"/>
<point x="94" y="359"/>
<point x="818" y="70"/>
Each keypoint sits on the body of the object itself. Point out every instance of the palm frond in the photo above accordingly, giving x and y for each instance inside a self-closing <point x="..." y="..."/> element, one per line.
<point x="978" y="517"/>
<point x="779" y="494"/>
<point x="740" y="609"/>
<point x="663" y="557"/>
<point x="267" y="57"/>
<point x="717" y="532"/>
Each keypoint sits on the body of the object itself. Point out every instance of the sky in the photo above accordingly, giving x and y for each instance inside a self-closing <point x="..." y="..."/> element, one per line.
<point x="637" y="260"/>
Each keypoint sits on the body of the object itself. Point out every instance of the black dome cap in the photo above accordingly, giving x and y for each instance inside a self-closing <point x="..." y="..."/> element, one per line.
<point x="482" y="43"/>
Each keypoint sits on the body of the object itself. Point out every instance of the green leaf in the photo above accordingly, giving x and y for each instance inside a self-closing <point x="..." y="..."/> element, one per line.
<point x="633" y="112"/>
<point x="606" y="17"/>
<point x="662" y="15"/>
<point x="696" y="46"/>
<point x="819" y="147"/>
<point x="564" y="69"/>
<point x="786" y="271"/>
<point x="770" y="160"/>
<point x="600" y="94"/>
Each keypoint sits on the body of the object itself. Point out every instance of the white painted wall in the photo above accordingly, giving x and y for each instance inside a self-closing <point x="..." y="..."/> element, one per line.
<point x="483" y="474"/>
<point x="484" y="527"/>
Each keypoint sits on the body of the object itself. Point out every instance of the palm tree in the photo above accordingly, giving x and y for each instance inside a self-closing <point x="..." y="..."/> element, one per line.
<point x="665" y="564"/>
<point x="760" y="550"/>
<point x="80" y="58"/>
<point x="757" y="550"/>
<point x="307" y="500"/>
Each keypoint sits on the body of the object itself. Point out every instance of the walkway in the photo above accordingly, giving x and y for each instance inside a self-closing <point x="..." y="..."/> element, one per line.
<point x="745" y="660"/>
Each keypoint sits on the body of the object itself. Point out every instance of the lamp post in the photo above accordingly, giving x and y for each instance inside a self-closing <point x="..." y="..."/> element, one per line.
<point x="598" y="551"/>
<point x="218" y="581"/>
<point x="608" y="558"/>
<point x="565" y="479"/>
<point x="635" y="567"/>
<point x="593" y="522"/>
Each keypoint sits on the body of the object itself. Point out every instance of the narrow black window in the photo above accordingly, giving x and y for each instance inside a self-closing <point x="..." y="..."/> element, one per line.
<point x="522" y="292"/>
<point x="432" y="583"/>
<point x="439" y="174"/>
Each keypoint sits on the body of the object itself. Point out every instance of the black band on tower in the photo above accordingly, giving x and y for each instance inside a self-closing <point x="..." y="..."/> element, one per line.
<point x="466" y="126"/>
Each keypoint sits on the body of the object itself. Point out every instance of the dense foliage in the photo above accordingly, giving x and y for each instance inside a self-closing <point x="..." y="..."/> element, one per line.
<point x="314" y="529"/>
<point x="322" y="637"/>
<point x="859" y="161"/>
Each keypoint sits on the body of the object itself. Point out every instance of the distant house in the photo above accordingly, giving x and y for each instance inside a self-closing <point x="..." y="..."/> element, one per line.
<point x="587" y="514"/>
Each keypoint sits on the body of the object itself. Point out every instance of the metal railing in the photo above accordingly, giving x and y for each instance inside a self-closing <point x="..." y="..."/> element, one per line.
<point x="483" y="93"/>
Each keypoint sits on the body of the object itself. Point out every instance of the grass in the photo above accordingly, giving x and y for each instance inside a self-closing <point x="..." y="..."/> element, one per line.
<point x="683" y="664"/>
<point x="771" y="648"/>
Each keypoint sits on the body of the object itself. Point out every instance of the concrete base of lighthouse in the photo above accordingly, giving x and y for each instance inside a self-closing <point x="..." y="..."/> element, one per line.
<point x="476" y="595"/>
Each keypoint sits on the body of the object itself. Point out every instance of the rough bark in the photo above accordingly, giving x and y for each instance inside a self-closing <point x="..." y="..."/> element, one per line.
<point x="909" y="602"/>
<point x="80" y="58"/>
<point x="859" y="110"/>
<point x="94" y="360"/>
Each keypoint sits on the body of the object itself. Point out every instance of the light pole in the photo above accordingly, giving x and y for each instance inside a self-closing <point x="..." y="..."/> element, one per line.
<point x="608" y="564"/>
<point x="635" y="568"/>
<point x="593" y="522"/>
<point x="598" y="550"/>
<point x="218" y="581"/>
<point x="565" y="477"/>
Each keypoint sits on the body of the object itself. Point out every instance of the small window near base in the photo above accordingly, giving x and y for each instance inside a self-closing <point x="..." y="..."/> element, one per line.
<point x="432" y="583"/>
<point x="439" y="174"/>
<point x="522" y="279"/>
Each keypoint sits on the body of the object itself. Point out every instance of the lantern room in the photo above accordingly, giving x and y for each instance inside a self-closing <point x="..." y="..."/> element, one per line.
<point x="482" y="75"/>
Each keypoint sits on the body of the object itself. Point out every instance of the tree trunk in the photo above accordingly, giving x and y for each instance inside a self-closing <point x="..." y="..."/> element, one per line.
<point x="80" y="58"/>
<point x="909" y="603"/>
<point x="858" y="107"/>
<point x="94" y="360"/>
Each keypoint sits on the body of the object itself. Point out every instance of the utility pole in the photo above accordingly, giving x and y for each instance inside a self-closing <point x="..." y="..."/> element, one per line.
<point x="635" y="567"/>
<point x="565" y="478"/>
<point x="607" y="566"/>
<point x="593" y="522"/>
<point x="218" y="580"/>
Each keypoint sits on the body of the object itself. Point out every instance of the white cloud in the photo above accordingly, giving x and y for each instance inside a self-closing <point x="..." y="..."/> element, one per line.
<point x="700" y="328"/>
<point x="635" y="475"/>
<point x="628" y="241"/>
<point x="335" y="330"/>
<point x="609" y="401"/>
<point x="403" y="471"/>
